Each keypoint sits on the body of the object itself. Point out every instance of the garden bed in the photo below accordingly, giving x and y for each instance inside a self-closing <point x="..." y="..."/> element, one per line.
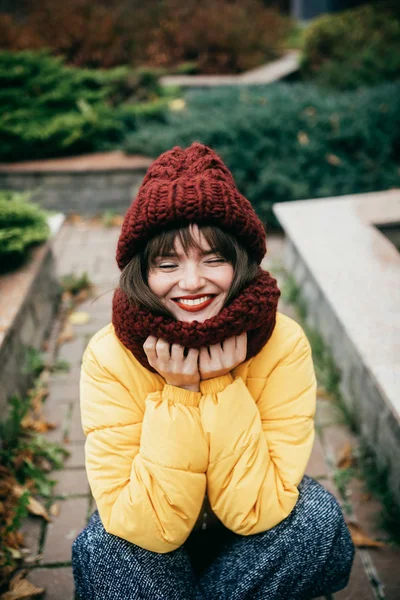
<point x="29" y="298"/>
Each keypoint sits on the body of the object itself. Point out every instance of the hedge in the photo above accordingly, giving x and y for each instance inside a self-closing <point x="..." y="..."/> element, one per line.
<point x="49" y="110"/>
<point x="286" y="142"/>
<point x="22" y="225"/>
<point x="358" y="47"/>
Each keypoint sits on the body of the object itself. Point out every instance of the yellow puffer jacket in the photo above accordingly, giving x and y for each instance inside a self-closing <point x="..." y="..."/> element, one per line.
<point x="153" y="450"/>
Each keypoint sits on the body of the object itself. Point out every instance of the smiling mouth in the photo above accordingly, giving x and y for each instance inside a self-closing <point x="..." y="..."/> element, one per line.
<point x="194" y="305"/>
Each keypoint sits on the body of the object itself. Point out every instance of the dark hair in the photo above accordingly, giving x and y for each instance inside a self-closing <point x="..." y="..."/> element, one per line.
<point x="134" y="277"/>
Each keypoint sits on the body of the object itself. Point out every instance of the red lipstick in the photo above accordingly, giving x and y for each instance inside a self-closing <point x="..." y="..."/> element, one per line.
<point x="196" y="307"/>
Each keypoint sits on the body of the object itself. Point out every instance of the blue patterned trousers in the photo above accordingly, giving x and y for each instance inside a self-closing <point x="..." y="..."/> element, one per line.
<point x="309" y="554"/>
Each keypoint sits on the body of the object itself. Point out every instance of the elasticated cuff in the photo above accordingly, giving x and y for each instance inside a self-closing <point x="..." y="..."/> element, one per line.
<point x="216" y="384"/>
<point x="180" y="395"/>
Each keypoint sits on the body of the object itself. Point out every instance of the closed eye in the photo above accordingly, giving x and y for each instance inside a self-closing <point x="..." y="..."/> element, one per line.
<point x="212" y="261"/>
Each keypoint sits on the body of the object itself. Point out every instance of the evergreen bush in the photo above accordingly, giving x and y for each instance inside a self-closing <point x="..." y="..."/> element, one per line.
<point x="49" y="110"/>
<point x="22" y="224"/>
<point x="357" y="47"/>
<point x="286" y="142"/>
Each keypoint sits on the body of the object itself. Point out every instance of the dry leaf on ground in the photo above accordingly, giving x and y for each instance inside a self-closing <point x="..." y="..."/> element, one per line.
<point x="346" y="459"/>
<point x="34" y="506"/>
<point x="82" y="295"/>
<point x="21" y="588"/>
<point x="79" y="318"/>
<point x="37" y="399"/>
<point x="361" y="539"/>
<point x="74" y="218"/>
<point x="55" y="509"/>
<point x="323" y="394"/>
<point x="67" y="334"/>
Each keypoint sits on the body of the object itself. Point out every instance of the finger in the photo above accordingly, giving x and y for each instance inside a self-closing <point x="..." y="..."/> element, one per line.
<point x="204" y="357"/>
<point x="215" y="354"/>
<point x="241" y="345"/>
<point x="177" y="352"/>
<point x="150" y="348"/>
<point x="192" y="360"/>
<point x="162" y="349"/>
<point x="230" y="344"/>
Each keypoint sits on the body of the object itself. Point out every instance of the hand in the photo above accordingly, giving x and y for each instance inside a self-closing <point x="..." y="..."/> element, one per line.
<point x="216" y="360"/>
<point x="171" y="363"/>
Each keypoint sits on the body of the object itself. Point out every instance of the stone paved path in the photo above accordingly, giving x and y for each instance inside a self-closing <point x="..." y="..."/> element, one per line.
<point x="81" y="248"/>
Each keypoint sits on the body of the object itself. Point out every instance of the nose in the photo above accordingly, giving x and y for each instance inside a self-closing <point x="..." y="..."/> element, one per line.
<point x="192" y="279"/>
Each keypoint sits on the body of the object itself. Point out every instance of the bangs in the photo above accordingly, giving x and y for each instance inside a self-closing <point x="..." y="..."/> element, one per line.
<point x="164" y="244"/>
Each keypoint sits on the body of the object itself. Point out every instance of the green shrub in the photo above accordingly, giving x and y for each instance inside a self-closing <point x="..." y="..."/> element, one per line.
<point x="22" y="224"/>
<point x="286" y="142"/>
<point x="48" y="109"/>
<point x="355" y="48"/>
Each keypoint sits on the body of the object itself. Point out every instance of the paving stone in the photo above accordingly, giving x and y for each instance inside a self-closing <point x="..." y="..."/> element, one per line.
<point x="31" y="529"/>
<point x="327" y="413"/>
<point x="71" y="482"/>
<point x="72" y="351"/>
<point x="359" y="587"/>
<point x="335" y="439"/>
<point x="58" y="583"/>
<point x="64" y="390"/>
<point x="56" y="413"/>
<point x="317" y="466"/>
<point x="63" y="530"/>
<point x="386" y="560"/>
<point x="77" y="455"/>
<point x="75" y="431"/>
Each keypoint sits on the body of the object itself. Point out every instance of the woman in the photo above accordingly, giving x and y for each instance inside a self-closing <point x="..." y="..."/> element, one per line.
<point x="198" y="403"/>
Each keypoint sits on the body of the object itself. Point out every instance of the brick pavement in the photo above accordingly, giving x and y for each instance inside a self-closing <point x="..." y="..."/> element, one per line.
<point x="81" y="248"/>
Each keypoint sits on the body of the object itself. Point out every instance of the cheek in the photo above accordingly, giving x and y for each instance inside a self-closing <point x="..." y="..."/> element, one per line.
<point x="158" y="284"/>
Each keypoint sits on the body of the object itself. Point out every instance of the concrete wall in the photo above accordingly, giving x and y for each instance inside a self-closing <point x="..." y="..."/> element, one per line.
<point x="86" y="193"/>
<point x="362" y="395"/>
<point x="31" y="325"/>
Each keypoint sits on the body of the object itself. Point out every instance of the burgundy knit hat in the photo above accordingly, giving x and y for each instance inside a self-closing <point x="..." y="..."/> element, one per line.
<point x="186" y="186"/>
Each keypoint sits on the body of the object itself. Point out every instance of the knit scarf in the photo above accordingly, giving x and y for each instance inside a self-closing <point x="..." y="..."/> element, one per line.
<point x="252" y="311"/>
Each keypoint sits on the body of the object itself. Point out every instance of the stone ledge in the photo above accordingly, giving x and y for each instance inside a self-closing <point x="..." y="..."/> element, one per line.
<point x="29" y="298"/>
<point x="273" y="71"/>
<point x="86" y="184"/>
<point x="349" y="275"/>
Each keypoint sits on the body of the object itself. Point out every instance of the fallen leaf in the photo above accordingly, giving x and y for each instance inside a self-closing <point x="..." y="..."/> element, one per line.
<point x="82" y="295"/>
<point x="55" y="509"/>
<point x="361" y="539"/>
<point x="34" y="506"/>
<point x="303" y="138"/>
<point x="79" y="318"/>
<point x="74" y="218"/>
<point x="117" y="221"/>
<point x="346" y="458"/>
<point x="44" y="464"/>
<point x="67" y="334"/>
<point x="322" y="393"/>
<point x="21" y="588"/>
<point x="37" y="399"/>
<point x="332" y="159"/>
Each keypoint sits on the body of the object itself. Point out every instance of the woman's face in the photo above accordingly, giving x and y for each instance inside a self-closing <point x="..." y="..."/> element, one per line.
<point x="193" y="287"/>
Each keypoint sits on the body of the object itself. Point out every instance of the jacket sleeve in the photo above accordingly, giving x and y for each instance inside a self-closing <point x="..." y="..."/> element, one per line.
<point x="146" y="468"/>
<point x="259" y="451"/>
